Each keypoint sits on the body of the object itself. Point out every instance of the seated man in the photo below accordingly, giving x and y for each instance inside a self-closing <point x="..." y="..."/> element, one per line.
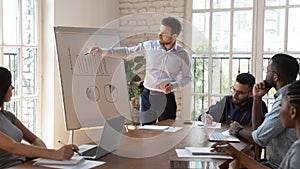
<point x="282" y="70"/>
<point x="238" y="106"/>
<point x="290" y="118"/>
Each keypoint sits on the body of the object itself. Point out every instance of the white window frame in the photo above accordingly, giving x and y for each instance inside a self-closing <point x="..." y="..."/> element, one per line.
<point x="37" y="127"/>
<point x="257" y="53"/>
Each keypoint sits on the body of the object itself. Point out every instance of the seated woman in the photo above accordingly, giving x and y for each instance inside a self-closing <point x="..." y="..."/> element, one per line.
<point x="12" y="132"/>
<point x="290" y="118"/>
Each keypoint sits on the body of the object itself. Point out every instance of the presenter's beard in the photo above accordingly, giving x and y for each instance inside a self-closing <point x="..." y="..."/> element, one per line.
<point x="162" y="42"/>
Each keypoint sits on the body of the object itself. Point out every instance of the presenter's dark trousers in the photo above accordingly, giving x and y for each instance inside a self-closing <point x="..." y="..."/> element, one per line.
<point x="157" y="105"/>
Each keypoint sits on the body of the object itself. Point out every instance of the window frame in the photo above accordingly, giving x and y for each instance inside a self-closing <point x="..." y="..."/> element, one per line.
<point x="257" y="54"/>
<point x="20" y="46"/>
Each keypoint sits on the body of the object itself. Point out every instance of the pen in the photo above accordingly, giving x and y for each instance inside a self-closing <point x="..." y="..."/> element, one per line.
<point x="62" y="143"/>
<point x="222" y="145"/>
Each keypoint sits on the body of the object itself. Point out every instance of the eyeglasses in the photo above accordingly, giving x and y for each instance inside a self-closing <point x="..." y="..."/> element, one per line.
<point x="164" y="34"/>
<point x="266" y="70"/>
<point x="233" y="90"/>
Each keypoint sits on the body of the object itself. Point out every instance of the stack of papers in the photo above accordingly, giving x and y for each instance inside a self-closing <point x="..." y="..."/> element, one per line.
<point x="162" y="128"/>
<point x="201" y="152"/>
<point x="213" y="125"/>
<point x="76" y="162"/>
<point x="73" y="161"/>
<point x="153" y="127"/>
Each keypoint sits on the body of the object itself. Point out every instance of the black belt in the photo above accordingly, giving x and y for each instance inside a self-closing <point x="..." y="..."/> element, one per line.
<point x="153" y="92"/>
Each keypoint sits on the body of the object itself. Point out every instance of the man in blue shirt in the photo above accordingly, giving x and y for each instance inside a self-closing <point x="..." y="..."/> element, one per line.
<point x="268" y="132"/>
<point x="166" y="61"/>
<point x="238" y="106"/>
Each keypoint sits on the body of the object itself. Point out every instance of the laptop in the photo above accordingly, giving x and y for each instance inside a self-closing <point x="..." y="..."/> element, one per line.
<point x="224" y="136"/>
<point x="109" y="141"/>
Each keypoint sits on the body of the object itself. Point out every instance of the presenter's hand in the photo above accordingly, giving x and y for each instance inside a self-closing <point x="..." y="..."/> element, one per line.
<point x="96" y="51"/>
<point x="167" y="88"/>
<point x="65" y="152"/>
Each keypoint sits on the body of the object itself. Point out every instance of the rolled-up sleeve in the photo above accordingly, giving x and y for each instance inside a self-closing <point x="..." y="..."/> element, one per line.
<point x="186" y="72"/>
<point x="123" y="52"/>
<point x="271" y="126"/>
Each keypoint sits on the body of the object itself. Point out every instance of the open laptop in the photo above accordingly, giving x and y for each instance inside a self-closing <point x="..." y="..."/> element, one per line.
<point x="224" y="136"/>
<point x="109" y="141"/>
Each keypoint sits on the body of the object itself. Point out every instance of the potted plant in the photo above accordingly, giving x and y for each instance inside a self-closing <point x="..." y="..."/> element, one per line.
<point x="134" y="69"/>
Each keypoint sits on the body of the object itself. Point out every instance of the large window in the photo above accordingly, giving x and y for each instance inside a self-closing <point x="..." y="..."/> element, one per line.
<point x="19" y="48"/>
<point x="241" y="36"/>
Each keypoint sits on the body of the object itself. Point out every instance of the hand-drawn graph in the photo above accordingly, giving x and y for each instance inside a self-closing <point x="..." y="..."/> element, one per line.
<point x="93" y="88"/>
<point x="87" y="65"/>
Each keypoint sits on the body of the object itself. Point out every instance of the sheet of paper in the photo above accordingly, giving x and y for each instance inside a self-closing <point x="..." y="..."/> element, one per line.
<point x="203" y="151"/>
<point x="213" y="125"/>
<point x="73" y="161"/>
<point x="187" y="153"/>
<point x="153" y="127"/>
<point x="84" y="165"/>
<point x="173" y="129"/>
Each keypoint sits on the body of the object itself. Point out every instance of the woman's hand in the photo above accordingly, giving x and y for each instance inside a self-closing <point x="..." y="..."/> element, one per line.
<point x="65" y="152"/>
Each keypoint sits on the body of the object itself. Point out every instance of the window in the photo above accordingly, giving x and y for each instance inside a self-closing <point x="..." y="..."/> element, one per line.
<point x="19" y="47"/>
<point x="241" y="35"/>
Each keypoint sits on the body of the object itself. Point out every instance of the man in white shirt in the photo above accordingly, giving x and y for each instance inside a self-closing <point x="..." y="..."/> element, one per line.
<point x="165" y="61"/>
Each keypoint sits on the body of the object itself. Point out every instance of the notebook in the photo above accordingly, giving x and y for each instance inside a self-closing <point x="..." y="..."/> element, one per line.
<point x="203" y="151"/>
<point x="109" y="141"/>
<point x="224" y="136"/>
<point x="73" y="161"/>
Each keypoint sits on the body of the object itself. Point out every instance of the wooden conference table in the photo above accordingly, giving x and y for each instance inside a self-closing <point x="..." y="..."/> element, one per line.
<point x="140" y="150"/>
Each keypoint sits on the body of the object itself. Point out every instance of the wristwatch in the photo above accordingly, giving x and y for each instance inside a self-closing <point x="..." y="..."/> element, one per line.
<point x="237" y="131"/>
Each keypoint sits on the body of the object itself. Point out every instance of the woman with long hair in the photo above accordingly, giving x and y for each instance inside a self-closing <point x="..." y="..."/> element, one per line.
<point x="12" y="132"/>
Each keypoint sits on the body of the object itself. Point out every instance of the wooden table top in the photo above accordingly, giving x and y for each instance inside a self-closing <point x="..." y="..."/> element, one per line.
<point x="148" y="149"/>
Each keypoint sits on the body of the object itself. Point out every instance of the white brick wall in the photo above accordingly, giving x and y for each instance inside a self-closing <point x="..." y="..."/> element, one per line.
<point x="140" y="21"/>
<point x="144" y="16"/>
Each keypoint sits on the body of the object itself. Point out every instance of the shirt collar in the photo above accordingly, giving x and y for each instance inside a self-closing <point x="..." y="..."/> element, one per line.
<point x="281" y="90"/>
<point x="175" y="47"/>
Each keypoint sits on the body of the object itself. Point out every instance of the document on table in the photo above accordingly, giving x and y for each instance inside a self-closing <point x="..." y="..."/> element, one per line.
<point x="76" y="162"/>
<point x="153" y="127"/>
<point x="213" y="125"/>
<point x="187" y="153"/>
<point x="73" y="161"/>
<point x="203" y="151"/>
<point x="162" y="128"/>
<point x="86" y="164"/>
<point x="173" y="129"/>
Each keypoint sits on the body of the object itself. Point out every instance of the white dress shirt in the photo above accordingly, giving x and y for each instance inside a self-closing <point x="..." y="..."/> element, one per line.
<point x="162" y="66"/>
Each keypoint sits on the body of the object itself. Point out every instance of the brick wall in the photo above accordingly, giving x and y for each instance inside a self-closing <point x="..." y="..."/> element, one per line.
<point x="140" y="20"/>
